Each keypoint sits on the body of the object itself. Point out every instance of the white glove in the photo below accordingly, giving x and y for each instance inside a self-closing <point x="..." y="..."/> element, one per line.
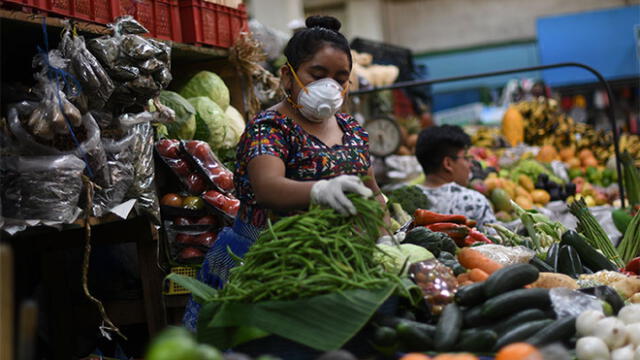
<point x="332" y="193"/>
<point x="394" y="239"/>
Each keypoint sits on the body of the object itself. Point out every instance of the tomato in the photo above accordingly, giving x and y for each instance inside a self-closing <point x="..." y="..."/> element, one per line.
<point x="231" y="206"/>
<point x="192" y="203"/>
<point x="195" y="183"/>
<point x="207" y="220"/>
<point x="171" y="199"/>
<point x="169" y="148"/>
<point x="190" y="253"/>
<point x="225" y="181"/>
<point x="182" y="220"/>
<point x="179" y="167"/>
<point x="206" y="239"/>
<point x="200" y="150"/>
<point x="185" y="239"/>
<point x="214" y="198"/>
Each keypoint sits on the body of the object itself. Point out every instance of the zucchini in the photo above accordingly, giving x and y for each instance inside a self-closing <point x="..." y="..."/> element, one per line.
<point x="477" y="341"/>
<point x="510" y="278"/>
<point x="517" y="319"/>
<point x="516" y="300"/>
<point x="569" y="261"/>
<point x="473" y="317"/>
<point x="470" y="295"/>
<point x="607" y="294"/>
<point x="448" y="328"/>
<point x="413" y="338"/>
<point x="541" y="265"/>
<point x="559" y="330"/>
<point x="552" y="256"/>
<point x="521" y="332"/>
<point x="591" y="258"/>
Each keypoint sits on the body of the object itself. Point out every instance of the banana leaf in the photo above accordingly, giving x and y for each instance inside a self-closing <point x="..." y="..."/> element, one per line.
<point x="201" y="292"/>
<point x="324" y="322"/>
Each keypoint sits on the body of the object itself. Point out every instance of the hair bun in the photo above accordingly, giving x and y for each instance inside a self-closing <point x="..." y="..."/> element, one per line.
<point x="326" y="22"/>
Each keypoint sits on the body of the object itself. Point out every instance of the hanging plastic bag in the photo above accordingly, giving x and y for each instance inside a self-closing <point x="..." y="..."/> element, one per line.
<point x="120" y="159"/>
<point x="89" y="146"/>
<point x="41" y="187"/>
<point x="143" y="188"/>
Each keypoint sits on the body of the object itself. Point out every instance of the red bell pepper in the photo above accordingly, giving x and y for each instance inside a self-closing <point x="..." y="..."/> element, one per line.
<point x="426" y="217"/>
<point x="633" y="266"/>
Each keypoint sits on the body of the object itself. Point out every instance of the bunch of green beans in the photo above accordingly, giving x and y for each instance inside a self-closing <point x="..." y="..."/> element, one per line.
<point x="311" y="254"/>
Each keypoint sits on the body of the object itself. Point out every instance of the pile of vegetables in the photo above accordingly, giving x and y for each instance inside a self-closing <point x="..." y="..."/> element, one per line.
<point x="310" y="254"/>
<point x="609" y="337"/>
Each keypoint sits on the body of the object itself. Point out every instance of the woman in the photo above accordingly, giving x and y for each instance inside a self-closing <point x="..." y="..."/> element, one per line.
<point x="298" y="152"/>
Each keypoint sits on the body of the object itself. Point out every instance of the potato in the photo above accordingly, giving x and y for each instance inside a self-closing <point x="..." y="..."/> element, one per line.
<point x="548" y="280"/>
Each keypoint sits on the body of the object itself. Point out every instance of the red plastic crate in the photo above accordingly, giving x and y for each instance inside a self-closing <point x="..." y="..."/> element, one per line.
<point x="160" y="17"/>
<point x="98" y="11"/>
<point x="205" y="23"/>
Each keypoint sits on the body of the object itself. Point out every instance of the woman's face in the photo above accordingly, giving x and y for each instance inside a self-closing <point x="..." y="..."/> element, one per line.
<point x="327" y="62"/>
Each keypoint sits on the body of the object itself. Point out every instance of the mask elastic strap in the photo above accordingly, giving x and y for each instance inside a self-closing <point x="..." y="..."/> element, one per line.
<point x="295" y="76"/>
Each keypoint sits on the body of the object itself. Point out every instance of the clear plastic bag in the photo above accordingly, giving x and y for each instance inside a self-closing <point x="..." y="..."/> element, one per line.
<point x="209" y="165"/>
<point x="506" y="255"/>
<point x="41" y="187"/>
<point x="567" y="302"/>
<point x="189" y="243"/>
<point x="120" y="159"/>
<point x="437" y="282"/>
<point x="90" y="149"/>
<point x="143" y="187"/>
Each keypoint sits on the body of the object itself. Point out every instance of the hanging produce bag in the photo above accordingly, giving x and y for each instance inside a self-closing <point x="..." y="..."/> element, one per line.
<point x="41" y="187"/>
<point x="143" y="188"/>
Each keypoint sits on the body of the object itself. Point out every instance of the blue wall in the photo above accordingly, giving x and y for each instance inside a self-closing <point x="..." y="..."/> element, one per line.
<point x="602" y="39"/>
<point x="476" y="61"/>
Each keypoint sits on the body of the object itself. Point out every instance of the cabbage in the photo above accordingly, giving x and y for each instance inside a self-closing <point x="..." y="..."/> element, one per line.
<point x="210" y="121"/>
<point x="393" y="257"/>
<point x="184" y="127"/>
<point x="206" y="83"/>
<point x="235" y="128"/>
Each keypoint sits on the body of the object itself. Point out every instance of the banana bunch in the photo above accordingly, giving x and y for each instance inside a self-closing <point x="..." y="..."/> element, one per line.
<point x="489" y="137"/>
<point x="546" y="124"/>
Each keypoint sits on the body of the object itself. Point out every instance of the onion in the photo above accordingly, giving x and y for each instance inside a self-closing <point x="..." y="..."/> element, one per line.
<point x="630" y="314"/>
<point x="612" y="331"/>
<point x="623" y="353"/>
<point x="633" y="333"/>
<point x="586" y="322"/>
<point x="591" y="348"/>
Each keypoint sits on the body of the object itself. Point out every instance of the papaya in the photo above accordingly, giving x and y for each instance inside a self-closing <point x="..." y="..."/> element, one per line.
<point x="526" y="182"/>
<point x="513" y="126"/>
<point x="520" y="191"/>
<point x="524" y="202"/>
<point x="500" y="200"/>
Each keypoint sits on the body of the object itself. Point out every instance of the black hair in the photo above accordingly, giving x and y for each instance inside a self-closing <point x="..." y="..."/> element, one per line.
<point x="320" y="30"/>
<point x="437" y="142"/>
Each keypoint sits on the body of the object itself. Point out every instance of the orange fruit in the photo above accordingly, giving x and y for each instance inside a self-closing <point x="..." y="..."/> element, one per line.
<point x="519" y="351"/>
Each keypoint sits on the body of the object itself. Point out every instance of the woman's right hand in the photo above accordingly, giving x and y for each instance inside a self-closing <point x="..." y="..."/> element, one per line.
<point x="332" y="193"/>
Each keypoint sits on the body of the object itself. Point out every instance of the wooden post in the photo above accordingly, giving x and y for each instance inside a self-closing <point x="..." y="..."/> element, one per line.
<point x="6" y="302"/>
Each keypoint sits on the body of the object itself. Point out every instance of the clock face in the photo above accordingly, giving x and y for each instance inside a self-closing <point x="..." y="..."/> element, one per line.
<point x="384" y="136"/>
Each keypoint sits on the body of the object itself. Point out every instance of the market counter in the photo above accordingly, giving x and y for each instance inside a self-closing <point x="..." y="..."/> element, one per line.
<point x="40" y="256"/>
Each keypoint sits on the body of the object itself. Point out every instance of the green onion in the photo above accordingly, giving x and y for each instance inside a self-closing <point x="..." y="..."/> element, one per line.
<point x="631" y="177"/>
<point x="595" y="234"/>
<point x="629" y="247"/>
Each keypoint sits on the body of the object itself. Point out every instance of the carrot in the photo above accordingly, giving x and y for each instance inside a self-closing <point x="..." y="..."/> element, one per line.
<point x="463" y="277"/>
<point x="477" y="275"/>
<point x="472" y="259"/>
<point x="426" y="217"/>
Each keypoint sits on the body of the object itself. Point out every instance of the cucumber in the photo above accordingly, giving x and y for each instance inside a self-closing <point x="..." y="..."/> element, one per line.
<point x="569" y="261"/>
<point x="559" y="330"/>
<point x="514" y="301"/>
<point x="427" y="329"/>
<point x="413" y="338"/>
<point x="448" y="328"/>
<point x="510" y="278"/>
<point x="521" y="332"/>
<point x="470" y="295"/>
<point x="517" y="319"/>
<point x="541" y="265"/>
<point x="477" y="341"/>
<point x="473" y="317"/>
<point x="384" y="336"/>
<point x="552" y="255"/>
<point x="590" y="257"/>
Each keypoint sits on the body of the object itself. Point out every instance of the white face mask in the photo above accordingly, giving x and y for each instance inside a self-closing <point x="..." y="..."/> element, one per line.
<point x="319" y="100"/>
